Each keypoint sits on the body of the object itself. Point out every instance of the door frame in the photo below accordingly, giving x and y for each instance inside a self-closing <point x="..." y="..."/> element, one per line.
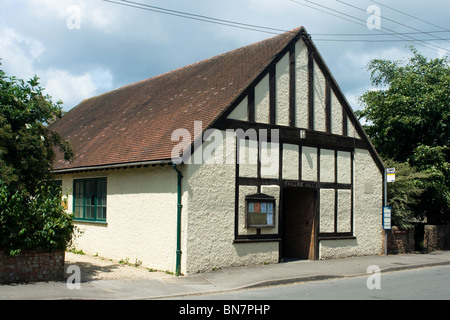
<point x="298" y="186"/>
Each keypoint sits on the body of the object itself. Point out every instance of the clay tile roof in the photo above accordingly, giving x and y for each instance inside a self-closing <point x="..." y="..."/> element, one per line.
<point x="135" y="123"/>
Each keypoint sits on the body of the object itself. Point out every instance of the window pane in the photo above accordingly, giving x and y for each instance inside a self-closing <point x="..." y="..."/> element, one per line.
<point x="101" y="193"/>
<point x="90" y="212"/>
<point x="90" y="199"/>
<point x="90" y="193"/>
<point x="90" y="196"/>
<point x="101" y="213"/>
<point x="257" y="219"/>
<point x="78" y="212"/>
<point x="79" y="199"/>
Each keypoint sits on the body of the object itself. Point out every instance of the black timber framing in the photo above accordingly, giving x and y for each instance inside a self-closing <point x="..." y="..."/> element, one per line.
<point x="251" y="106"/>
<point x="317" y="185"/>
<point x="340" y="186"/>
<point x="344" y="124"/>
<point x="272" y="95"/>
<point x="287" y="134"/>
<point x="347" y="112"/>
<point x="291" y="134"/>
<point x="314" y="56"/>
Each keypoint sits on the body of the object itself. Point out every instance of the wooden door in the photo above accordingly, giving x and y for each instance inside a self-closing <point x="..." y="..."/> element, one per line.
<point x="298" y="223"/>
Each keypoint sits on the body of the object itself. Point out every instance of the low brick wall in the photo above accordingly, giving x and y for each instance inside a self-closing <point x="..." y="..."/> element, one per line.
<point x="436" y="237"/>
<point x="30" y="266"/>
<point x="400" y="241"/>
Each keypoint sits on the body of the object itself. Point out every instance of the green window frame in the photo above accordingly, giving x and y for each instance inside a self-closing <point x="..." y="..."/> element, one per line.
<point x="89" y="199"/>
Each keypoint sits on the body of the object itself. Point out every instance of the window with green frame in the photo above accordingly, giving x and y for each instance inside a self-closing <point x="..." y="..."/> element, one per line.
<point x="89" y="199"/>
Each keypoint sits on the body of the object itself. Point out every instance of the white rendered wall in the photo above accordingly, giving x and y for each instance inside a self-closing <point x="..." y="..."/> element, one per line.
<point x="319" y="99"/>
<point x="248" y="158"/>
<point x="262" y="100"/>
<point x="240" y="112"/>
<point x="282" y="91"/>
<point x="327" y="210"/>
<point x="344" y="203"/>
<point x="140" y="219"/>
<point x="301" y="85"/>
<point x="309" y="163"/>
<point x="367" y="212"/>
<point x="336" y="115"/>
<point x="344" y="167"/>
<point x="290" y="161"/>
<point x="210" y="219"/>
<point x="327" y="165"/>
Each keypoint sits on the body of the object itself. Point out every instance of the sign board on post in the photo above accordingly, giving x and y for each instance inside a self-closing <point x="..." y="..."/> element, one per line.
<point x="387" y="218"/>
<point x="390" y="174"/>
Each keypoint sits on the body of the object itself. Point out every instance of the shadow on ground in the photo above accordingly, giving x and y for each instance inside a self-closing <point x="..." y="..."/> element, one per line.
<point x="89" y="271"/>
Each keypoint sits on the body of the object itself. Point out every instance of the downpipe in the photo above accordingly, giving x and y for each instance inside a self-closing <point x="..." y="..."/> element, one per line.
<point x="179" y="207"/>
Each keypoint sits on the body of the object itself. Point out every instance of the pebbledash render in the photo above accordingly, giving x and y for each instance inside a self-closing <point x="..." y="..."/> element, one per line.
<point x="253" y="156"/>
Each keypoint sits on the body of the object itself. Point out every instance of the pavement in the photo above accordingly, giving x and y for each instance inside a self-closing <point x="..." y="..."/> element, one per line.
<point x="227" y="279"/>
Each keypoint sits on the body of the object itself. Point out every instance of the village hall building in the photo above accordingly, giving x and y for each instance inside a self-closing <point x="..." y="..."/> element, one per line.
<point x="250" y="157"/>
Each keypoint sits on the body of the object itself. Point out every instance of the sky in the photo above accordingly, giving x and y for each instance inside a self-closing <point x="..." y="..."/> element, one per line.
<point x="83" y="48"/>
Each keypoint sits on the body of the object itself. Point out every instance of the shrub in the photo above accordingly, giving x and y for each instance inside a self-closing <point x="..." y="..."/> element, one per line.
<point x="32" y="222"/>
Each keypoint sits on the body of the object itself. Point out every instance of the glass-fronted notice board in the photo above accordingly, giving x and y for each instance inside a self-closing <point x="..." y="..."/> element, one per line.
<point x="260" y="211"/>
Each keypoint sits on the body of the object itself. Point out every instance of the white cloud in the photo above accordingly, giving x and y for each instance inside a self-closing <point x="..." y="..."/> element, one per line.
<point x="73" y="88"/>
<point x="20" y="55"/>
<point x="92" y="14"/>
<point x="18" y="52"/>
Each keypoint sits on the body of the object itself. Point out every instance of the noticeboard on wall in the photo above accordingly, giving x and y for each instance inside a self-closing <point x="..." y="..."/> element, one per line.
<point x="260" y="211"/>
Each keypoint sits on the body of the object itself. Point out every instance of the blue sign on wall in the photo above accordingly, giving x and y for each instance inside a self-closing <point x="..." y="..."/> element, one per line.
<point x="387" y="217"/>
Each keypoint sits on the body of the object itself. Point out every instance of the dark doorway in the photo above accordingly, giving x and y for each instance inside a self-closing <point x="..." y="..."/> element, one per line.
<point x="298" y="223"/>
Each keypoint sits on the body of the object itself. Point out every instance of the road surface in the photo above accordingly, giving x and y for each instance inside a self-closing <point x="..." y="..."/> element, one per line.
<point x="432" y="283"/>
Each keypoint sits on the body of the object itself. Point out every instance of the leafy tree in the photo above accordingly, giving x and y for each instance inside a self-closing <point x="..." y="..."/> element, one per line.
<point x="27" y="146"/>
<point x="31" y="212"/>
<point x="408" y="122"/>
<point x="404" y="196"/>
<point x="435" y="202"/>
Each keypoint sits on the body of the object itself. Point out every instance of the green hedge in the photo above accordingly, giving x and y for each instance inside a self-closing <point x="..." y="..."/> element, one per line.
<point x="37" y="222"/>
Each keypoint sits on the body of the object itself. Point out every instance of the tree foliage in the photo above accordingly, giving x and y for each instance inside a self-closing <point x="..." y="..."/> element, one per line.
<point x="404" y="196"/>
<point x="33" y="222"/>
<point x="27" y="146"/>
<point x="31" y="213"/>
<point x="407" y="119"/>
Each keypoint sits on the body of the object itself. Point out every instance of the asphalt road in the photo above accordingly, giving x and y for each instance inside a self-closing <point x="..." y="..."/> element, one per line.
<point x="431" y="283"/>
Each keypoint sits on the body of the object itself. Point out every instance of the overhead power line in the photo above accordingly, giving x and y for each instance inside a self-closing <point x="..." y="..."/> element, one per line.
<point x="379" y="40"/>
<point x="197" y="17"/>
<point x="271" y="30"/>
<point x="402" y="36"/>
<point x="411" y="16"/>
<point x="375" y="34"/>
<point x="391" y="20"/>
